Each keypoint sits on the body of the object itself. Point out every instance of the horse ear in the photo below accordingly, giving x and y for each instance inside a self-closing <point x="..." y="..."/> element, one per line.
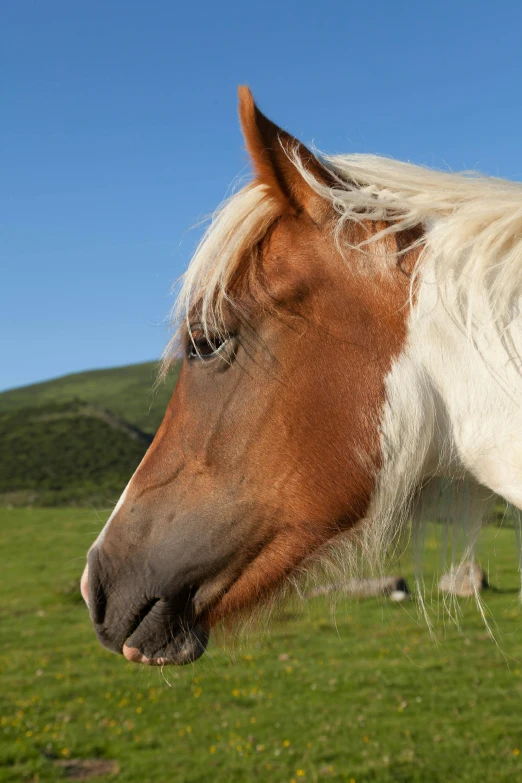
<point x="271" y="150"/>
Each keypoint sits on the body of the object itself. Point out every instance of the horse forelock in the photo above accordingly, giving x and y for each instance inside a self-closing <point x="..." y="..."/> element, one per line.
<point x="236" y="227"/>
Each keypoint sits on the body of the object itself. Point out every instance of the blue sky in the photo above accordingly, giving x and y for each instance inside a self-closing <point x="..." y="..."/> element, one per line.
<point x="119" y="132"/>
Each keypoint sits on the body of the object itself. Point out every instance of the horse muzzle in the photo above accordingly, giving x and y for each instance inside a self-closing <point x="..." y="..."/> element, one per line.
<point x="151" y="626"/>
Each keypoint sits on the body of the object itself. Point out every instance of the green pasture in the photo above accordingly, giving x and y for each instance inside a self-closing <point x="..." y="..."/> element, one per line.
<point x="361" y="695"/>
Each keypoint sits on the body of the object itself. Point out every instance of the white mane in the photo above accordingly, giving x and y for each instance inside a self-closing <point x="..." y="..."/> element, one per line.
<point x="473" y="224"/>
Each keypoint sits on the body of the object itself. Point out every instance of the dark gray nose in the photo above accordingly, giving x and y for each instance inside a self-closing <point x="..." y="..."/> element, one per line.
<point x="128" y="607"/>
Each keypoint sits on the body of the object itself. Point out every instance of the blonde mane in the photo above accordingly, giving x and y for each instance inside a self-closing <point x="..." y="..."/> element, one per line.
<point x="472" y="224"/>
<point x="235" y="228"/>
<point x="472" y="227"/>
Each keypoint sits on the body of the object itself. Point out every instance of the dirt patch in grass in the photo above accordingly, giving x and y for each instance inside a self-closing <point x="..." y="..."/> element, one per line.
<point x="85" y="769"/>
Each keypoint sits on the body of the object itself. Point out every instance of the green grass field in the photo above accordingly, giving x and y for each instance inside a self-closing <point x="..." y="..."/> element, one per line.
<point x="364" y="696"/>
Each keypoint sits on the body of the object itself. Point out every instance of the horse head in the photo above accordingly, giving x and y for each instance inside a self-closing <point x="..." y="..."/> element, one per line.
<point x="271" y="445"/>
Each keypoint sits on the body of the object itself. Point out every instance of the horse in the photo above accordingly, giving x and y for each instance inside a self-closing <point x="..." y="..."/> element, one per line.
<point x="350" y="334"/>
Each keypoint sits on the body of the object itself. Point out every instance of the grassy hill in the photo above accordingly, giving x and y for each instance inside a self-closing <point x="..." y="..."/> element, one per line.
<point x="126" y="391"/>
<point x="69" y="452"/>
<point x="78" y="439"/>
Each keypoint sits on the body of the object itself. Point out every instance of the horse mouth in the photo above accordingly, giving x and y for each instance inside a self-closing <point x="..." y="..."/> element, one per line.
<point x="162" y="637"/>
<point x="178" y="649"/>
<point x="165" y="631"/>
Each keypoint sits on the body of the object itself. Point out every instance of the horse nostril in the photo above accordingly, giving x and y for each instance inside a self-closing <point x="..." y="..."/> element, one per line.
<point x="97" y="596"/>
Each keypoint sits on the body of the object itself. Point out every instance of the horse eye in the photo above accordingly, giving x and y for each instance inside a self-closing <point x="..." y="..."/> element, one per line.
<point x="203" y="347"/>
